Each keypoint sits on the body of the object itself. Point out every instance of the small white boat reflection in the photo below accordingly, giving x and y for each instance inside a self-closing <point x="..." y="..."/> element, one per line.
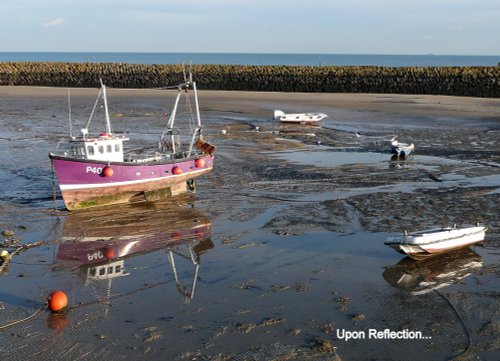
<point x="424" y="276"/>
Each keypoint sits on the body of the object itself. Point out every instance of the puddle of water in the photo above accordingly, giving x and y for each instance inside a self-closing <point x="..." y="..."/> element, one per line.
<point x="336" y="157"/>
<point x="331" y="158"/>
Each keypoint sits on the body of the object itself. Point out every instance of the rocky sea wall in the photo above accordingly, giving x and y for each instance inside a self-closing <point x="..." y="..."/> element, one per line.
<point x="460" y="81"/>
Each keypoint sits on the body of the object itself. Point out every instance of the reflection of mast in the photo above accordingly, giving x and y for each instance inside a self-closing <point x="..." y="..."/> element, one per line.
<point x="102" y="241"/>
<point x="194" y="257"/>
<point x="108" y="271"/>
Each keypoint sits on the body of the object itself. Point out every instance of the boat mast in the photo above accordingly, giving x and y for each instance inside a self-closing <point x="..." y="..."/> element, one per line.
<point x="104" y="97"/>
<point x="197" y="131"/>
<point x="184" y="87"/>
<point x="171" y="119"/>
<point x="69" y="116"/>
<point x="198" y="119"/>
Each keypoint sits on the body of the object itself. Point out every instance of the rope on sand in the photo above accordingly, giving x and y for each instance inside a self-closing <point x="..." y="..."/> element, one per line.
<point x="41" y="309"/>
<point x="6" y="260"/>
<point x="292" y="181"/>
<point x="469" y="337"/>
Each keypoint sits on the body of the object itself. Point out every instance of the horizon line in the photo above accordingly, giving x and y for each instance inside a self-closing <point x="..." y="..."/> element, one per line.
<point x="242" y="53"/>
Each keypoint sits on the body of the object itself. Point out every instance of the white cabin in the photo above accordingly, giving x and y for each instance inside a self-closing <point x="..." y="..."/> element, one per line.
<point x="107" y="147"/>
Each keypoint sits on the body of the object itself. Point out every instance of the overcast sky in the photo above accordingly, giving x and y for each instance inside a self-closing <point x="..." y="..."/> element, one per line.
<point x="454" y="27"/>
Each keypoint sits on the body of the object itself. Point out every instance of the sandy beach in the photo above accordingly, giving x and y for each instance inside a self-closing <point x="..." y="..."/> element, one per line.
<point x="292" y="258"/>
<point x="258" y="103"/>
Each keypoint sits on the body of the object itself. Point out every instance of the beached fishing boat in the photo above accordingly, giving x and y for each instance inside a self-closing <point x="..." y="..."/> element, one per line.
<point x="299" y="118"/>
<point x="434" y="241"/>
<point x="96" y="170"/>
<point x="401" y="150"/>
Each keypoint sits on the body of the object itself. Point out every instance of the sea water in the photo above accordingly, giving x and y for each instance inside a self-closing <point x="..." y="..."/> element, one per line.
<point x="255" y="59"/>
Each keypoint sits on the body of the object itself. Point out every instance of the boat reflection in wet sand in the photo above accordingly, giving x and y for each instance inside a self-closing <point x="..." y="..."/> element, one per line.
<point x="99" y="243"/>
<point x="432" y="273"/>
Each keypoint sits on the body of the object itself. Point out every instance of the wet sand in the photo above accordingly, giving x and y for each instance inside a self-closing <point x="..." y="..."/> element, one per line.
<point x="287" y="231"/>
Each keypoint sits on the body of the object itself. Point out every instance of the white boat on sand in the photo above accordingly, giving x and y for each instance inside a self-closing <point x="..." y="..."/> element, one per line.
<point x="299" y="118"/>
<point x="435" y="241"/>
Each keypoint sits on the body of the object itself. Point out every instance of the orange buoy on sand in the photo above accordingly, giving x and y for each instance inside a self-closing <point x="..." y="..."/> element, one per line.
<point x="107" y="171"/>
<point x="57" y="301"/>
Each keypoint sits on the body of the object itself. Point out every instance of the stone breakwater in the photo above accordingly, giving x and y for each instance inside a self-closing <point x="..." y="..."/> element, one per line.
<point x="460" y="81"/>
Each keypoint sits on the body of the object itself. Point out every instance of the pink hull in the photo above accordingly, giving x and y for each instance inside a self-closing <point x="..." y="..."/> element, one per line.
<point x="92" y="251"/>
<point x="86" y="183"/>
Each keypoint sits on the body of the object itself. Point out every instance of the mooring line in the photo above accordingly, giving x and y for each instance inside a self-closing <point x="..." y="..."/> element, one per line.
<point x="469" y="337"/>
<point x="24" y="319"/>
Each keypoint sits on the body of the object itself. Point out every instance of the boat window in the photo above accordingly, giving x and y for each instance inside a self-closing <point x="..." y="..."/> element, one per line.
<point x="92" y="271"/>
<point x="109" y="148"/>
<point x="102" y="271"/>
<point x="101" y="149"/>
<point x="110" y="270"/>
<point x="90" y="149"/>
<point x="117" y="147"/>
<point x="78" y="151"/>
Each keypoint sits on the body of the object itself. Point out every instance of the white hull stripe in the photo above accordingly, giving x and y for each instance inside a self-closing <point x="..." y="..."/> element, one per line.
<point x="67" y="187"/>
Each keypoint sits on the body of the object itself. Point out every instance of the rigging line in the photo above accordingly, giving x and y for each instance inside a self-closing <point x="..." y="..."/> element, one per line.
<point x="120" y="295"/>
<point x="93" y="109"/>
<point x="24" y="319"/>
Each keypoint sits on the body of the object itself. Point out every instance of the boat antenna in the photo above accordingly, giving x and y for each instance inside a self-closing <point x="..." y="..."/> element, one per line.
<point x="69" y="115"/>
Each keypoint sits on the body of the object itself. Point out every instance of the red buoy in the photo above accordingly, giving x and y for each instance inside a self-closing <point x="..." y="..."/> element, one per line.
<point x="199" y="163"/>
<point x="57" y="301"/>
<point x="107" y="172"/>
<point x="176" y="170"/>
